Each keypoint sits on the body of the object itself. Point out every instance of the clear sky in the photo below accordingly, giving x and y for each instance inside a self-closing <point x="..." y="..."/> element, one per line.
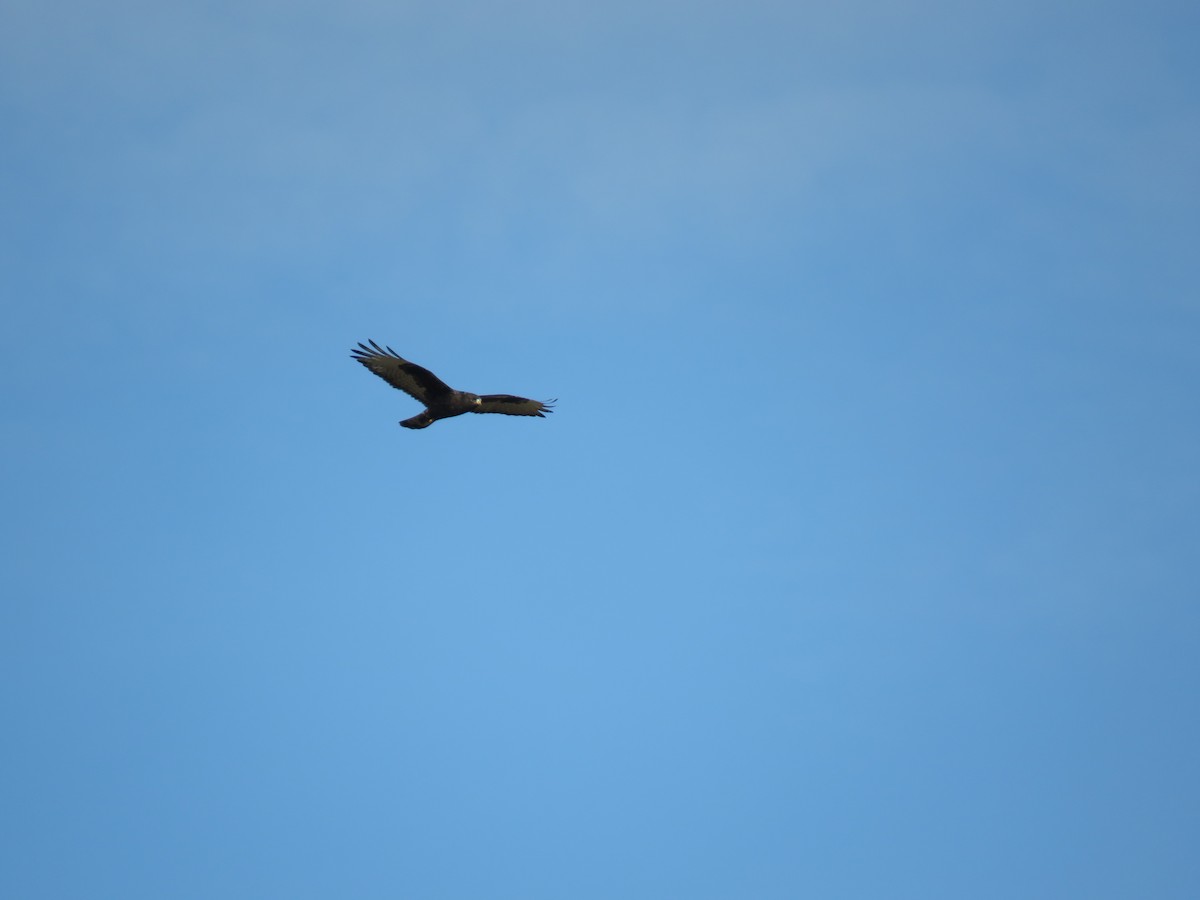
<point x="861" y="558"/>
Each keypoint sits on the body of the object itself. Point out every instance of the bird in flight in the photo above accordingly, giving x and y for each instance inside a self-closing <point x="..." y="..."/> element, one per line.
<point x="441" y="400"/>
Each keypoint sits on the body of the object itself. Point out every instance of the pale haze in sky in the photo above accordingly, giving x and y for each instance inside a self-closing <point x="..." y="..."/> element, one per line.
<point x="858" y="560"/>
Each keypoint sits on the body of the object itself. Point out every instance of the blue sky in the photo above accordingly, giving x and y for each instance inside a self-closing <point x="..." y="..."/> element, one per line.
<point x="859" y="560"/>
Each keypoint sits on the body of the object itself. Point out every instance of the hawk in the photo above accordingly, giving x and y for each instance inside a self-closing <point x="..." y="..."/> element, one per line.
<point x="441" y="401"/>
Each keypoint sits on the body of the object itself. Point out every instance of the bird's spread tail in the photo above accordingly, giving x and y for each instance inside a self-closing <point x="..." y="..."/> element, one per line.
<point x="421" y="420"/>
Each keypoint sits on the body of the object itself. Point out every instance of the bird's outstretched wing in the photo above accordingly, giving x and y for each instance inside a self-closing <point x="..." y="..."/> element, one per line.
<point x="514" y="406"/>
<point x="418" y="383"/>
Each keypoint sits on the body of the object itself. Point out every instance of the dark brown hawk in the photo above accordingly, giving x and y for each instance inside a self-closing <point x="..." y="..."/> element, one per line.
<point x="441" y="400"/>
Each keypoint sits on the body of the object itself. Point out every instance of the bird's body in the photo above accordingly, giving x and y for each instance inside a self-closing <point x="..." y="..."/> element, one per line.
<point x="441" y="401"/>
